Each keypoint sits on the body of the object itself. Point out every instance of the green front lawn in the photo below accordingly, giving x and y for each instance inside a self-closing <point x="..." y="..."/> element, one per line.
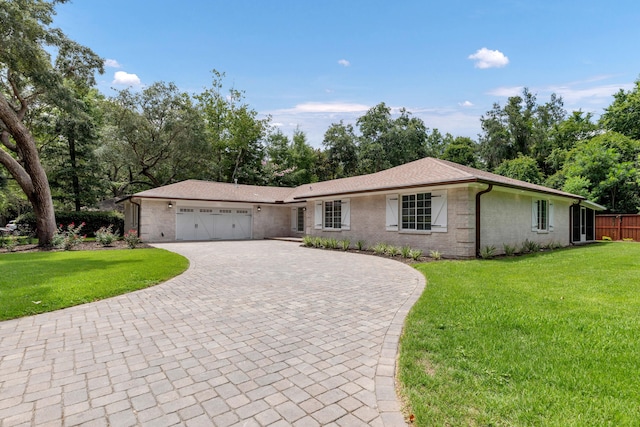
<point x="548" y="339"/>
<point x="38" y="282"/>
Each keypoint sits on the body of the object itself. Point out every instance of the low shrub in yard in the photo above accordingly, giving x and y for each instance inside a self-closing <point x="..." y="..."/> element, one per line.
<point x="105" y="236"/>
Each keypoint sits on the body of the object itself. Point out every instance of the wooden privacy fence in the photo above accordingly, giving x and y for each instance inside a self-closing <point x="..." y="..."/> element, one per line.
<point x="618" y="227"/>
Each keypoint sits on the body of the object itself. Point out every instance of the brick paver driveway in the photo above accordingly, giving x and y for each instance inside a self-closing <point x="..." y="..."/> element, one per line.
<point x="262" y="333"/>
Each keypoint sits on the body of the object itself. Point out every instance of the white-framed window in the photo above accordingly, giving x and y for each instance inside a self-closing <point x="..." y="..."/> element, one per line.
<point x="419" y="212"/>
<point x="416" y="211"/>
<point x="542" y="216"/>
<point x="332" y="215"/>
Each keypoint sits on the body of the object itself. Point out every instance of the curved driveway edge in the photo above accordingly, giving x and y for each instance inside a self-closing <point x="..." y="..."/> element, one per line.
<point x="254" y="333"/>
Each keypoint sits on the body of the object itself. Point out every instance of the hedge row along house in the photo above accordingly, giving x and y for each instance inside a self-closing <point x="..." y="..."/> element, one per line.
<point x="430" y="204"/>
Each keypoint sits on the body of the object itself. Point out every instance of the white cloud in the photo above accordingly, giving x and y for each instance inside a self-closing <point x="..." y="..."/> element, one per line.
<point x="329" y="107"/>
<point x="486" y="58"/>
<point x="122" y="78"/>
<point x="112" y="63"/>
<point x="506" y="91"/>
<point x="466" y="104"/>
<point x="595" y="94"/>
<point x="344" y="62"/>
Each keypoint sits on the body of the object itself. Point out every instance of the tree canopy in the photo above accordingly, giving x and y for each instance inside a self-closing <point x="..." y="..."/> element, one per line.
<point x="64" y="145"/>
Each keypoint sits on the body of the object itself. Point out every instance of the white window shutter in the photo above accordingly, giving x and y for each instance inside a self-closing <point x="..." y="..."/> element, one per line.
<point x="345" y="221"/>
<point x="318" y="216"/>
<point x="294" y="219"/>
<point x="392" y="212"/>
<point x="534" y="215"/>
<point x="551" y="216"/>
<point x="439" y="211"/>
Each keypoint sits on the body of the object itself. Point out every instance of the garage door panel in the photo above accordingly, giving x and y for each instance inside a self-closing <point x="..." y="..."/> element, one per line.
<point x="185" y="219"/>
<point x="213" y="224"/>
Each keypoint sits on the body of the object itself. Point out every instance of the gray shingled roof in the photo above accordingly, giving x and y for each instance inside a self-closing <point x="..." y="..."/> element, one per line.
<point x="194" y="189"/>
<point x="420" y="173"/>
<point x="424" y="172"/>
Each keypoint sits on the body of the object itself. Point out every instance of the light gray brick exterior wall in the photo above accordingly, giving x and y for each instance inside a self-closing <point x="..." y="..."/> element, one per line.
<point x="272" y="221"/>
<point x="157" y="221"/>
<point x="506" y="219"/>
<point x="368" y="223"/>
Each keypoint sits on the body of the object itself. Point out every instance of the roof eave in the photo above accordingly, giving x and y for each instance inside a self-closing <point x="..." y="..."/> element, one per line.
<point x="272" y="202"/>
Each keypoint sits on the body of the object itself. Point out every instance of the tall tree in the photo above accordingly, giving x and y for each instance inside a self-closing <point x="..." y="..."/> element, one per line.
<point x="341" y="149"/>
<point x="462" y="150"/>
<point x="608" y="168"/>
<point x="28" y="76"/>
<point x="158" y="133"/>
<point x="69" y="154"/>
<point x="524" y="168"/>
<point x="235" y="134"/>
<point x="623" y="115"/>
<point x="521" y="127"/>
<point x="386" y="142"/>
<point x="375" y="126"/>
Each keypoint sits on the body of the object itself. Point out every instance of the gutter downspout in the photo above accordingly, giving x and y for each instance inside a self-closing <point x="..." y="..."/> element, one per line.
<point x="478" y="217"/>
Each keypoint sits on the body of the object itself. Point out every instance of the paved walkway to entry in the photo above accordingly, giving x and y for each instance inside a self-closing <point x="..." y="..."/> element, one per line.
<point x="256" y="333"/>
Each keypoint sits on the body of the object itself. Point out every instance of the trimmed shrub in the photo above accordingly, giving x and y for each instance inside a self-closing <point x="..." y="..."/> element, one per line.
<point x="93" y="220"/>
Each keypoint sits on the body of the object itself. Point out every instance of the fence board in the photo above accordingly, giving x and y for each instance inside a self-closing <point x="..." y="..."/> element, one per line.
<point x="618" y="227"/>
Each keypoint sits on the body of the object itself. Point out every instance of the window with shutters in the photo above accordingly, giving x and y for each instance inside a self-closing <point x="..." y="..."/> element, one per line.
<point x="416" y="212"/>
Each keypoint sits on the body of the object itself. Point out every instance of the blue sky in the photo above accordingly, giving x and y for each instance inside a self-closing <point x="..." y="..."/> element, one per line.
<point x="310" y="64"/>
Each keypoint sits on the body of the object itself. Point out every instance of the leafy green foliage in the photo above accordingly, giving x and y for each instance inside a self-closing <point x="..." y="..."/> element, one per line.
<point x="623" y="115"/>
<point x="415" y="254"/>
<point x="607" y="168"/>
<point x="132" y="239"/>
<point x="93" y="220"/>
<point x="529" y="246"/>
<point x="522" y="167"/>
<point x="509" y="250"/>
<point x="488" y="252"/>
<point x="105" y="236"/>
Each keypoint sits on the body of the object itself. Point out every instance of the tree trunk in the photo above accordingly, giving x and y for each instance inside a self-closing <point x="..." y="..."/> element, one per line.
<point x="30" y="175"/>
<point x="75" y="182"/>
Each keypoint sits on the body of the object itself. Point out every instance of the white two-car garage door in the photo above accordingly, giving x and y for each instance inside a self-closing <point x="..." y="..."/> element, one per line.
<point x="213" y="224"/>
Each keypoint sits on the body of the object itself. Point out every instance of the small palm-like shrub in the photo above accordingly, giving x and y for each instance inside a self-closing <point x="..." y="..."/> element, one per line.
<point x="361" y="245"/>
<point x="415" y="254"/>
<point x="392" y="250"/>
<point x="380" y="248"/>
<point x="345" y="244"/>
<point x="529" y="246"/>
<point x="435" y="255"/>
<point x="331" y="243"/>
<point x="488" y="252"/>
<point x="509" y="250"/>
<point x="307" y="241"/>
<point x="405" y="251"/>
